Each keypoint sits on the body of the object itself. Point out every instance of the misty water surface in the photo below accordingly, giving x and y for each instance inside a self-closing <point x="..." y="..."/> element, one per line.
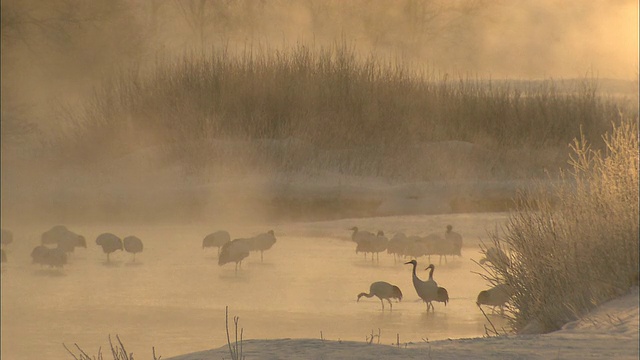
<point x="174" y="296"/>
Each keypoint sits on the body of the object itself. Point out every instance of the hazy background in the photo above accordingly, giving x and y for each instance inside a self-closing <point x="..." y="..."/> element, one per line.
<point x="59" y="56"/>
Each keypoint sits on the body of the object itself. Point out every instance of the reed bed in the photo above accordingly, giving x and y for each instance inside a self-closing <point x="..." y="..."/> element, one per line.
<point x="367" y="112"/>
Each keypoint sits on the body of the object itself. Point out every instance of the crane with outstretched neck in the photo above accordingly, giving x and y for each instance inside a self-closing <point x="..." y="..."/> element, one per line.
<point x="426" y="290"/>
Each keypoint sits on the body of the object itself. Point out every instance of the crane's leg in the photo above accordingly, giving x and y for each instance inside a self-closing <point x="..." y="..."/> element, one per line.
<point x="382" y="302"/>
<point x="261" y="252"/>
<point x="390" y="305"/>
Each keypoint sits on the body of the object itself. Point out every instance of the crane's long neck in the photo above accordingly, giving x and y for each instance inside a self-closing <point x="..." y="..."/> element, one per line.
<point x="431" y="273"/>
<point x="369" y="295"/>
<point x="415" y="277"/>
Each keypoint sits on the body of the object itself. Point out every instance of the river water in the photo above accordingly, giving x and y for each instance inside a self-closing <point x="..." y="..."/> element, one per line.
<point x="173" y="297"/>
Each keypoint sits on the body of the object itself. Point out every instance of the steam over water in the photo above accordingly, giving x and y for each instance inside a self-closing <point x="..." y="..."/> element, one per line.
<point x="173" y="297"/>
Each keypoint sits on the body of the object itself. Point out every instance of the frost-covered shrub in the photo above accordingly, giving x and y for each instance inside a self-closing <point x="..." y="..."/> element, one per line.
<point x="575" y="245"/>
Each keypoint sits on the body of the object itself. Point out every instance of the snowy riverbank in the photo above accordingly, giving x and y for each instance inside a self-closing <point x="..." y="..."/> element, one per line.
<point x="609" y="332"/>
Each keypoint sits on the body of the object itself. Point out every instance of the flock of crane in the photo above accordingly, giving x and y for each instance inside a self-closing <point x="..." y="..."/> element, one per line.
<point x="429" y="291"/>
<point x="58" y="242"/>
<point x="234" y="251"/>
<point x="402" y="245"/>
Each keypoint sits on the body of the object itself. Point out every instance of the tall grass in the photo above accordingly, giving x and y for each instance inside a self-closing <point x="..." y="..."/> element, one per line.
<point x="329" y="98"/>
<point x="576" y="245"/>
<point x="118" y="352"/>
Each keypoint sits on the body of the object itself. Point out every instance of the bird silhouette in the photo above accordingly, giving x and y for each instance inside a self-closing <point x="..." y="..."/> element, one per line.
<point x="133" y="245"/>
<point x="46" y="256"/>
<point x="38" y="254"/>
<point x="109" y="243"/>
<point x="443" y="295"/>
<point x="359" y="235"/>
<point x="496" y="257"/>
<point x="262" y="242"/>
<point x="426" y="290"/>
<point x="374" y="245"/>
<point x="497" y="296"/>
<point x="6" y="237"/>
<point x="383" y="290"/>
<point x="216" y="239"/>
<point x="234" y="251"/>
<point x="398" y="246"/>
<point x="454" y="238"/>
<point x="65" y="239"/>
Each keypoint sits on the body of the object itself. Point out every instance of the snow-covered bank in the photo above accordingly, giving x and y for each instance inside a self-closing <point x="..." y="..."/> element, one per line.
<point x="609" y="332"/>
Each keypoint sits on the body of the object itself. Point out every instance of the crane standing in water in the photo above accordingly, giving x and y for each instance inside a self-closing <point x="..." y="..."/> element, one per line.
<point x="383" y="290"/>
<point x="262" y="242"/>
<point x="234" y="251"/>
<point x="426" y="290"/>
<point x="217" y="239"/>
<point x="109" y="243"/>
<point x="132" y="244"/>
<point x="497" y="296"/>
